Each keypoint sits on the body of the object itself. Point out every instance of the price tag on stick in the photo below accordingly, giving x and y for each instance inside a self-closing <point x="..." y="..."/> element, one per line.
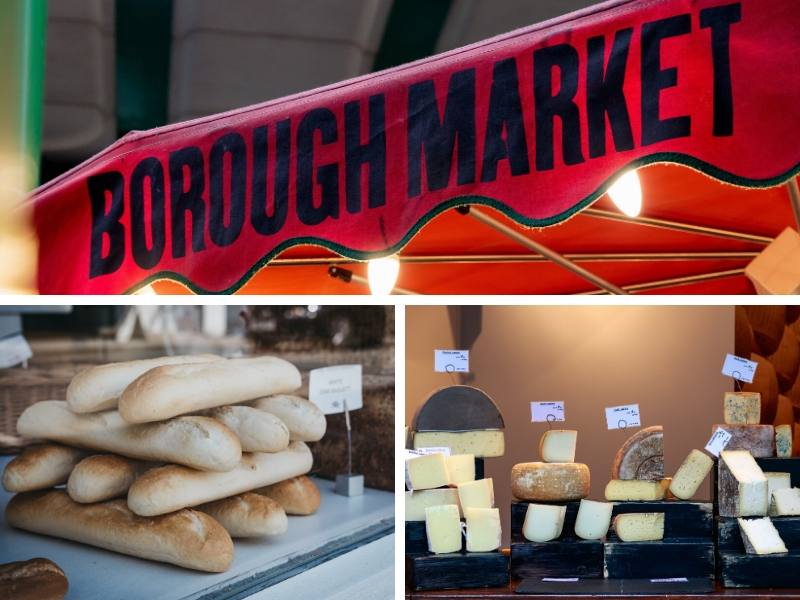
<point x="547" y="412"/>
<point x="451" y="361"/>
<point x="719" y="439"/>
<point x="331" y="387"/>
<point x="739" y="368"/>
<point x="623" y="417"/>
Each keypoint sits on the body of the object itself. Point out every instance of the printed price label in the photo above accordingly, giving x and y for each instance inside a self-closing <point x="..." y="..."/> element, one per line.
<point x="623" y="417"/>
<point x="432" y="450"/>
<point x="561" y="579"/>
<point x="739" y="368"/>
<point x="547" y="412"/>
<point x="334" y="388"/>
<point x="719" y="439"/>
<point x="670" y="580"/>
<point x="14" y="350"/>
<point x="451" y="361"/>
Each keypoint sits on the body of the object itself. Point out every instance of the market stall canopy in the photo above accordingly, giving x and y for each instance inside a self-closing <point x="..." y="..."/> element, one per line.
<point x="535" y="124"/>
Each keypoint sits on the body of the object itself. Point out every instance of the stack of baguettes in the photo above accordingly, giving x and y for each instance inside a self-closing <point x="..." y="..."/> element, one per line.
<point x="196" y="450"/>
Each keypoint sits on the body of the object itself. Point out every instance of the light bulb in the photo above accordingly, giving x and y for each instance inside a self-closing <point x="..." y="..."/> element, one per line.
<point x="626" y="193"/>
<point x="382" y="275"/>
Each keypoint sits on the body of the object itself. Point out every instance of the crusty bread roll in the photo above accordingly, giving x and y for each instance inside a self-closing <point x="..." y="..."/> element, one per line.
<point x="305" y="420"/>
<point x="40" y="467"/>
<point x="34" y="579"/>
<point x="103" y="477"/>
<point x="258" y="431"/>
<point x="197" y="442"/>
<point x="297" y="496"/>
<point x="248" y="515"/>
<point x="169" y="488"/>
<point x="187" y="538"/>
<point x="98" y="388"/>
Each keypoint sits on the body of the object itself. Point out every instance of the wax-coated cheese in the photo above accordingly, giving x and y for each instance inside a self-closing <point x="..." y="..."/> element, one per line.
<point x="761" y="537"/>
<point x="482" y="444"/>
<point x="550" y="482"/>
<point x="543" y="522"/>
<point x="758" y="440"/>
<point x="593" y="520"/>
<point x="443" y="528"/>
<point x="783" y="441"/>
<point x="639" y="527"/>
<point x="461" y="468"/>
<point x="558" y="445"/>
<point x="476" y="494"/>
<point x="776" y="481"/>
<point x="785" y="502"/>
<point x="483" y="529"/>
<point x="742" y="487"/>
<point x="635" y="490"/>
<point x="742" y="408"/>
<point x="417" y="502"/>
<point x="427" y="471"/>
<point x="691" y="474"/>
<point x="641" y="456"/>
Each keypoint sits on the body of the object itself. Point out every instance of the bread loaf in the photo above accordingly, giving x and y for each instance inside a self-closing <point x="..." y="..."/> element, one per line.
<point x="297" y="496"/>
<point x="258" y="431"/>
<point x="98" y="388"/>
<point x="40" y="467"/>
<point x="198" y="442"/>
<point x="173" y="390"/>
<point x="305" y="420"/>
<point x="248" y="515"/>
<point x="103" y="477"/>
<point x="169" y="488"/>
<point x="186" y="538"/>
<point x="34" y="579"/>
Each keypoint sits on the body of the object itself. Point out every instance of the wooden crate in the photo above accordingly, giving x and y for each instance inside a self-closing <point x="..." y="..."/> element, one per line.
<point x="460" y="570"/>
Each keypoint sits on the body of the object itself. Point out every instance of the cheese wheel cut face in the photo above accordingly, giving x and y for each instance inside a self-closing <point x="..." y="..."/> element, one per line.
<point x="639" y="527"/>
<point x="480" y="443"/>
<point x="543" y="522"/>
<point x="593" y="520"/>
<point x="761" y="537"/>
<point x="550" y="482"/>
<point x="641" y="456"/>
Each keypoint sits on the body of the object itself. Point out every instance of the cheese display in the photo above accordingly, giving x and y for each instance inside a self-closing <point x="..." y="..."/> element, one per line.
<point x="483" y="529"/>
<point x="558" y="445"/>
<point x="543" y="522"/>
<point x="742" y="408"/>
<point x="594" y="519"/>
<point x="460" y="468"/>
<point x="641" y="456"/>
<point x="632" y="489"/>
<point x="443" y="528"/>
<point x="691" y="474"/>
<point x="759" y="440"/>
<point x="476" y="494"/>
<point x="761" y="537"/>
<point x="785" y="502"/>
<point x="639" y="527"/>
<point x="550" y="482"/>
<point x="776" y="481"/>
<point x="426" y="471"/>
<point x="417" y="501"/>
<point x="783" y="441"/>
<point x="483" y="444"/>
<point x="741" y="486"/>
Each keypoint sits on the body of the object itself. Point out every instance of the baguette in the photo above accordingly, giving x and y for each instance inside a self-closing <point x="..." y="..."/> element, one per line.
<point x="40" y="467"/>
<point x="172" y="487"/>
<point x="248" y="515"/>
<point x="197" y="442"/>
<point x="305" y="420"/>
<point x="173" y="390"/>
<point x="98" y="388"/>
<point x="257" y="430"/>
<point x="187" y="538"/>
<point x="297" y="496"/>
<point x="34" y="579"/>
<point x="103" y="477"/>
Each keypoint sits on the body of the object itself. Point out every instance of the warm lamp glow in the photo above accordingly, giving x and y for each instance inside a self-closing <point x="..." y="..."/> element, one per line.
<point x="382" y="275"/>
<point x="626" y="193"/>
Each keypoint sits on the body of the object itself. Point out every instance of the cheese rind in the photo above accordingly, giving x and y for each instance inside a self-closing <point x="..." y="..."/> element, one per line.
<point x="785" y="502"/>
<point x="641" y="456"/>
<point x="742" y="486"/>
<point x="443" y="528"/>
<point x="418" y="501"/>
<point x="634" y="489"/>
<point x="558" y="445"/>
<point x="761" y="537"/>
<point x="460" y="468"/>
<point x="427" y="471"/>
<point x="550" y="482"/>
<point x="783" y="441"/>
<point x="759" y="440"/>
<point x="691" y="474"/>
<point x="593" y="520"/>
<point x="543" y="522"/>
<point x="639" y="527"/>
<point x="483" y="529"/>
<point x="481" y="443"/>
<point x="742" y="408"/>
<point x="476" y="494"/>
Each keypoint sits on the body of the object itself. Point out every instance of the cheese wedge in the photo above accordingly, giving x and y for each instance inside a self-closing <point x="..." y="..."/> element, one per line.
<point x="635" y="489"/>
<point x="550" y="482"/>
<point x="476" y="494"/>
<point x="742" y="408"/>
<point x="460" y="468"/>
<point x="691" y="474"/>
<point x="742" y="487"/>
<point x="417" y="502"/>
<point x="483" y="529"/>
<point x="543" y="522"/>
<point x="593" y="520"/>
<point x="785" y="502"/>
<point x="761" y="537"/>
<point x="558" y="446"/>
<point x="639" y="527"/>
<point x="783" y="441"/>
<point x="443" y="528"/>
<point x="482" y="443"/>
<point x="776" y="481"/>
<point x="426" y="472"/>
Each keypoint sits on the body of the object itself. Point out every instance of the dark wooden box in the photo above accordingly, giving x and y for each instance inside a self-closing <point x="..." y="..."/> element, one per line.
<point x="785" y="465"/>
<point x="682" y="519"/>
<point x="737" y="570"/>
<point x="660" y="559"/>
<point x="519" y="508"/>
<point x="457" y="571"/>
<point x="729" y="538"/>
<point x="558" y="558"/>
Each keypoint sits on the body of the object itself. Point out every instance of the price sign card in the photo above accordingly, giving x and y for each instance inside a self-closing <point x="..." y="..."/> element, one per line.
<point x="739" y="368"/>
<point x="451" y="361"/>
<point x="14" y="351"/>
<point x="431" y="450"/>
<point x="719" y="439"/>
<point x="623" y="417"/>
<point x="544" y="412"/>
<point x="330" y="388"/>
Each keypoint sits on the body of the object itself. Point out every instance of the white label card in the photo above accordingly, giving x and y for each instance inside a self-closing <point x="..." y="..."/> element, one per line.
<point x="561" y="579"/>
<point x="623" y="417"/>
<point x="739" y="368"/>
<point x="432" y="450"/>
<point x="331" y="388"/>
<point x="670" y="580"/>
<point x="14" y="350"/>
<point x="451" y="361"/>
<point x="719" y="439"/>
<point x="547" y="412"/>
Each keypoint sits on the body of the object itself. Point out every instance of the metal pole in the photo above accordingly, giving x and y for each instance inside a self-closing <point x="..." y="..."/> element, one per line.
<point x="794" y="198"/>
<point x="662" y="283"/>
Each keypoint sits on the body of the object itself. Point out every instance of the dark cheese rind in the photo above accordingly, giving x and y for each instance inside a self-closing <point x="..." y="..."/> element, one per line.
<point x="457" y="408"/>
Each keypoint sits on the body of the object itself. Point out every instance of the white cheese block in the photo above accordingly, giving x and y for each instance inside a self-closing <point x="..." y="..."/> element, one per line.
<point x="558" y="446"/>
<point x="742" y="486"/>
<point x="593" y="520"/>
<point x="636" y="489"/>
<point x="426" y="472"/>
<point x="639" y="527"/>
<point x="482" y="443"/>
<point x="443" y="528"/>
<point x="776" y="481"/>
<point x="476" y="494"/>
<point x="543" y="522"/>
<point x="742" y="408"/>
<point x="783" y="441"/>
<point x="785" y="502"/>
<point x="691" y="474"/>
<point x="761" y="537"/>
<point x="417" y="502"/>
<point x="483" y="529"/>
<point x="461" y="468"/>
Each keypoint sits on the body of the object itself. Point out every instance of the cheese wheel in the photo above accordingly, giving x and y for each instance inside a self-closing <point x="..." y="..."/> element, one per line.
<point x="550" y="482"/>
<point x="641" y="456"/>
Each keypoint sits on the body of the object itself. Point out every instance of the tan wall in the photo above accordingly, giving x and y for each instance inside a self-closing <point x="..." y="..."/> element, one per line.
<point x="668" y="359"/>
